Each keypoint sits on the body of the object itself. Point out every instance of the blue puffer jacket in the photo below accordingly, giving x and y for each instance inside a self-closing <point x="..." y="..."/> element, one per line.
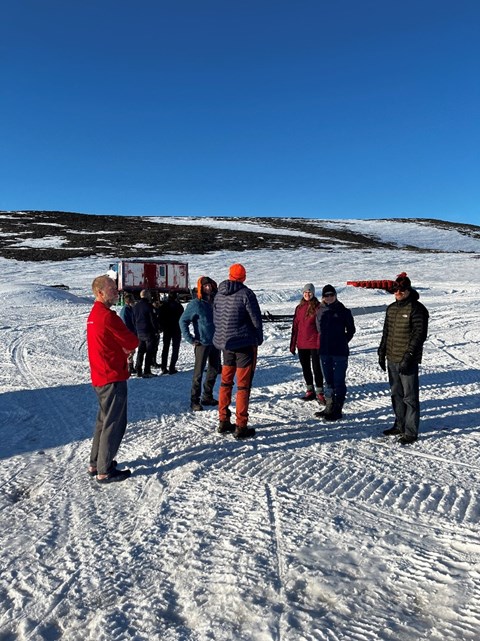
<point x="236" y="316"/>
<point x="336" y="328"/>
<point x="198" y="313"/>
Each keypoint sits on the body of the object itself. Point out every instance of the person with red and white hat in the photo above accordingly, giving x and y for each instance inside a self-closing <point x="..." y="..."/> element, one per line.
<point x="400" y="352"/>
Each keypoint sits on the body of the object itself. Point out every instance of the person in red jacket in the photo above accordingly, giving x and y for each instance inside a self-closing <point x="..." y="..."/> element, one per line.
<point x="306" y="339"/>
<point x="109" y="343"/>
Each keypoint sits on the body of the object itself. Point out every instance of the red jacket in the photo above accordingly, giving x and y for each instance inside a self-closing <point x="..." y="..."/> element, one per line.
<point x="107" y="335"/>
<point x="304" y="330"/>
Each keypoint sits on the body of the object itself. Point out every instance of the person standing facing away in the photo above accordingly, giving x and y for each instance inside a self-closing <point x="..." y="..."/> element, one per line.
<point x="146" y="332"/>
<point x="404" y="333"/>
<point x="169" y="316"/>
<point x="126" y="314"/>
<point x="336" y="328"/>
<point x="199" y="314"/>
<point x="109" y="343"/>
<point x="306" y="339"/>
<point x="238" y="334"/>
<point x="156" y="306"/>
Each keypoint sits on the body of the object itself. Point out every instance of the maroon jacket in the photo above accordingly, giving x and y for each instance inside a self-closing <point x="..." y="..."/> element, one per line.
<point x="304" y="330"/>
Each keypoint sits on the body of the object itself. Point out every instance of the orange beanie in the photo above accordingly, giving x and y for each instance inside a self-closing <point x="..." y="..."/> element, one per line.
<point x="237" y="272"/>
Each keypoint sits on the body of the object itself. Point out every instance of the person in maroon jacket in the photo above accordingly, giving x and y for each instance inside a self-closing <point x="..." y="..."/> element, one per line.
<point x="109" y="343"/>
<point x="306" y="339"/>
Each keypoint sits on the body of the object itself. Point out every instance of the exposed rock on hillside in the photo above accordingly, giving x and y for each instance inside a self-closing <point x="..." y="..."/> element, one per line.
<point x="53" y="235"/>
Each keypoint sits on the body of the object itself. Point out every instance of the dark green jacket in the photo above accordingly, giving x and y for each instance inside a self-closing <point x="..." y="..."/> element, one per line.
<point x="404" y="330"/>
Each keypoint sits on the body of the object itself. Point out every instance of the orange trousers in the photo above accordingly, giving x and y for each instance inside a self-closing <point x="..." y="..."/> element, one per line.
<point x="242" y="363"/>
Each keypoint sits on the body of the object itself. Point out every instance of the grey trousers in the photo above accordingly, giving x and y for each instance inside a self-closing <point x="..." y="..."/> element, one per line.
<point x="110" y="425"/>
<point x="404" y="390"/>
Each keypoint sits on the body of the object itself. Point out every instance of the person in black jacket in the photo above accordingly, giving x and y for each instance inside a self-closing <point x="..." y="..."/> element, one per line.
<point x="146" y="332"/>
<point x="336" y="328"/>
<point x="169" y="317"/>
<point x="404" y="333"/>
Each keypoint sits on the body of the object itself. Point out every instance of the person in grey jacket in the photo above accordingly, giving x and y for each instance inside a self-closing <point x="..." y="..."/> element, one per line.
<point x="238" y="333"/>
<point x="199" y="314"/>
<point x="404" y="333"/>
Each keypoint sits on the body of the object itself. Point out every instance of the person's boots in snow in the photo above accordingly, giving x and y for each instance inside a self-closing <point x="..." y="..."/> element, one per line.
<point x="309" y="394"/>
<point x="244" y="432"/>
<point x="335" y="412"/>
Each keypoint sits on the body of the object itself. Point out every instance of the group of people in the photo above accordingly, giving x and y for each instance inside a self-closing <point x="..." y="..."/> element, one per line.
<point x="224" y="326"/>
<point x="321" y="332"/>
<point x="149" y="320"/>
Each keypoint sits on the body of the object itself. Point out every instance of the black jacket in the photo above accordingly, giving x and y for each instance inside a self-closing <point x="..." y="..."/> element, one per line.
<point x="169" y="314"/>
<point x="404" y="330"/>
<point x="143" y="313"/>
<point x="336" y="328"/>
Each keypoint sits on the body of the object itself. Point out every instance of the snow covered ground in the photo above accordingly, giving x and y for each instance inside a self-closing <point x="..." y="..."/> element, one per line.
<point x="308" y="532"/>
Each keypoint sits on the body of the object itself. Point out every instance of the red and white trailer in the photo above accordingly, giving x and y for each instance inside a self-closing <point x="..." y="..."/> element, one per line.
<point x="159" y="276"/>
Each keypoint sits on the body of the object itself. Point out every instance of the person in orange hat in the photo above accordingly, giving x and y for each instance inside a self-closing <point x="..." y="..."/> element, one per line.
<point x="238" y="333"/>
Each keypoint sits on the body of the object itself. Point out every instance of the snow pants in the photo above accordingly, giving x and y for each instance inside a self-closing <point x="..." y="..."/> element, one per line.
<point x="240" y="363"/>
<point x="110" y="425"/>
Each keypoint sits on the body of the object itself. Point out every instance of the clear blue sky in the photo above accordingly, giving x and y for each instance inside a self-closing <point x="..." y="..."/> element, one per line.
<point x="315" y="108"/>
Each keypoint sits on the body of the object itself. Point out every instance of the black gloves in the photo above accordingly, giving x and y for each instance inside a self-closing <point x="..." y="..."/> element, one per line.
<point x="405" y="365"/>
<point x="382" y="362"/>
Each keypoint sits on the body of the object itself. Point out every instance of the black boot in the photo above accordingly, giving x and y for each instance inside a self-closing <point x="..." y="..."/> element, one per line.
<point x="333" y="410"/>
<point x="393" y="431"/>
<point x="328" y="407"/>
<point x="225" y="426"/>
<point x="244" y="432"/>
<point x="334" y="415"/>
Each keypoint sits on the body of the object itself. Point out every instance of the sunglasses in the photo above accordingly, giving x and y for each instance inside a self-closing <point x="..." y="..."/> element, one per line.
<point x="328" y="295"/>
<point x="399" y="288"/>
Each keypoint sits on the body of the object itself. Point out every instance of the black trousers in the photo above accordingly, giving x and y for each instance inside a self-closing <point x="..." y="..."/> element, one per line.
<point x="310" y="359"/>
<point x="146" y="348"/>
<point x="205" y="354"/>
<point x="174" y="338"/>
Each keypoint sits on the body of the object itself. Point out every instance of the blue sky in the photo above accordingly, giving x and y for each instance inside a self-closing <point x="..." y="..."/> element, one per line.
<point x="314" y="108"/>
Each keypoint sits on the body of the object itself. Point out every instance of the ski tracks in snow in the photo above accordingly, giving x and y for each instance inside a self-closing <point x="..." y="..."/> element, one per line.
<point x="309" y="532"/>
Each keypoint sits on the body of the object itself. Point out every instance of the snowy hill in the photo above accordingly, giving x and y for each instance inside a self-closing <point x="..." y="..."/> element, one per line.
<point x="40" y="235"/>
<point x="309" y="532"/>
